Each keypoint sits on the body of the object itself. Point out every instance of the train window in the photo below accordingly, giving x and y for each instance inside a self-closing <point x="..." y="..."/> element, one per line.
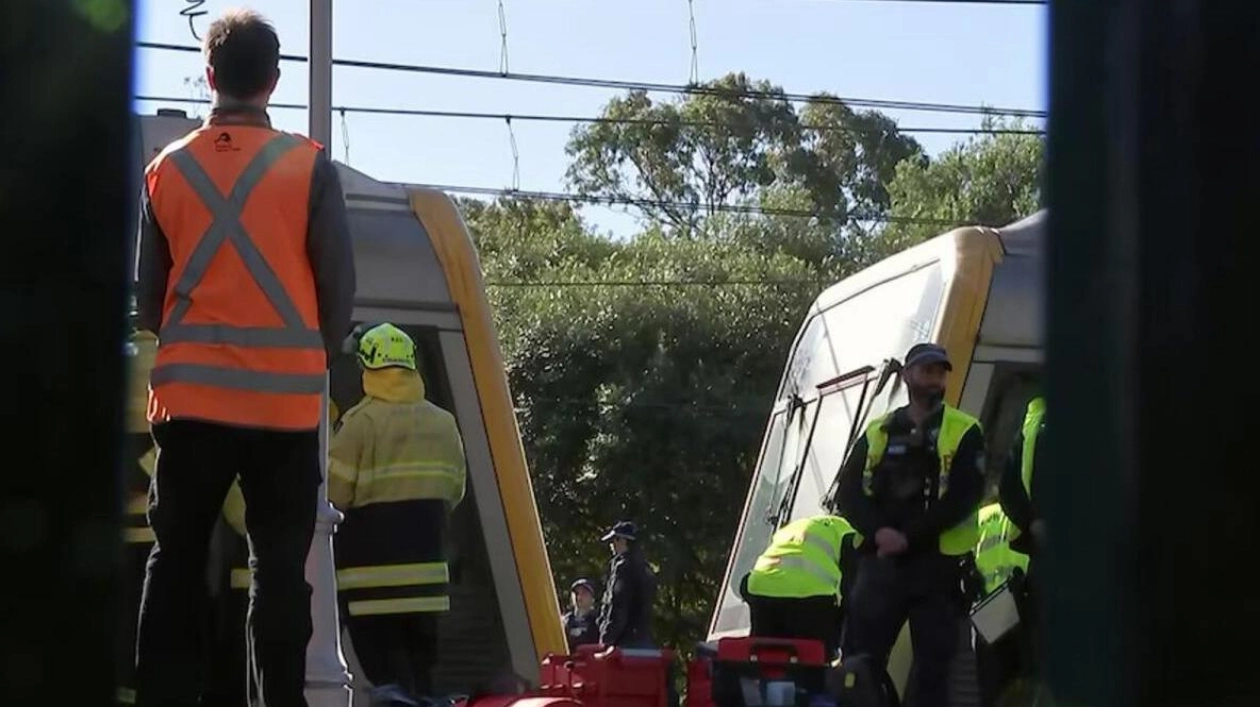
<point x="755" y="535"/>
<point x="886" y="320"/>
<point x="838" y="408"/>
<point x="811" y="360"/>
<point x="1014" y="384"/>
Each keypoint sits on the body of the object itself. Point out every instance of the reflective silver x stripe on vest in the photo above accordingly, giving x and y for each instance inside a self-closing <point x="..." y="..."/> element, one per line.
<point x="806" y="565"/>
<point x="821" y="543"/>
<point x="226" y="226"/>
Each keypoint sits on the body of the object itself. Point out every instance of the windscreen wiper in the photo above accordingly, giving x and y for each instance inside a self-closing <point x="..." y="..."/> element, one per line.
<point x="794" y="404"/>
<point x="889" y="369"/>
<point x="836" y="384"/>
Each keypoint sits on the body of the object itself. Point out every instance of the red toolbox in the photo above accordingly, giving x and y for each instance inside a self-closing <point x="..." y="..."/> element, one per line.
<point x="700" y="676"/>
<point x="609" y="678"/>
<point x="767" y="672"/>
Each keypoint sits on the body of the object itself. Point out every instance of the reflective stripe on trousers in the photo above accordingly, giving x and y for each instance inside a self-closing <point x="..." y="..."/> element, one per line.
<point x="411" y="605"/>
<point x="227" y="226"/>
<point x="417" y="574"/>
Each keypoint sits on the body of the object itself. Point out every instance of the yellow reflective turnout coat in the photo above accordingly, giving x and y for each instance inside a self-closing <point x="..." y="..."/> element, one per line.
<point x="396" y="469"/>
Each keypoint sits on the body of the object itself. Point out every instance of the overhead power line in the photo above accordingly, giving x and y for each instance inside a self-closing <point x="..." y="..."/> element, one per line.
<point x="961" y="2"/>
<point x="684" y="89"/>
<point x="527" y="117"/>
<point x="769" y="282"/>
<point x="662" y="203"/>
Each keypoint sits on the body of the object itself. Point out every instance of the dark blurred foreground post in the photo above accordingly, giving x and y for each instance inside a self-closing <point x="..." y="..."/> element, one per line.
<point x="1154" y="190"/>
<point x="65" y="203"/>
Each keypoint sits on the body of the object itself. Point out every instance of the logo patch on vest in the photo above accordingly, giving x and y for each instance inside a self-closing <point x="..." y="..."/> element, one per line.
<point x="223" y="143"/>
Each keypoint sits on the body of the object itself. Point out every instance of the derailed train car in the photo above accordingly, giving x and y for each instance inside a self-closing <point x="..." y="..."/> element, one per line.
<point x="416" y="267"/>
<point x="976" y="291"/>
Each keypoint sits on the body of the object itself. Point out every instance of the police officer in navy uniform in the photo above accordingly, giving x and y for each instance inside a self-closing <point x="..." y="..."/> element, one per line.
<point x="911" y="487"/>
<point x="581" y="621"/>
<point x="625" y="616"/>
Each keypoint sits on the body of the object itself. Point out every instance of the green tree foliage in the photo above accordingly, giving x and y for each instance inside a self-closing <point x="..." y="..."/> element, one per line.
<point x="991" y="179"/>
<point x="644" y="369"/>
<point x="640" y="401"/>
<point x="678" y="161"/>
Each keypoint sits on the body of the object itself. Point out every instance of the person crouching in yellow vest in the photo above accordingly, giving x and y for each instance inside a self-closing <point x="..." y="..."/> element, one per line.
<point x="997" y="664"/>
<point x="795" y="590"/>
<point x="396" y="469"/>
<point x="911" y="486"/>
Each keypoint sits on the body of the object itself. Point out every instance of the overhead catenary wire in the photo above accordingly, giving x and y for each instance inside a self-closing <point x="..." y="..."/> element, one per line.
<point x="651" y="87"/>
<point x="738" y="282"/>
<point x="748" y="209"/>
<point x="750" y="408"/>
<point x="956" y="2"/>
<point x="528" y="117"/>
<point x="503" y="46"/>
<point x="694" y="76"/>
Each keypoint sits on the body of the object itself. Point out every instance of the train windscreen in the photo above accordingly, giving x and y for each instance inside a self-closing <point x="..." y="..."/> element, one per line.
<point x="831" y="385"/>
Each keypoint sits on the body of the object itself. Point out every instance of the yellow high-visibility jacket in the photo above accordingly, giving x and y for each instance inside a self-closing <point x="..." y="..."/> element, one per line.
<point x="396" y="469"/>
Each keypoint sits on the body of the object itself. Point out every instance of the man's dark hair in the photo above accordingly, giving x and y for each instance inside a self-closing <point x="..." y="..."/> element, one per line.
<point x="244" y="51"/>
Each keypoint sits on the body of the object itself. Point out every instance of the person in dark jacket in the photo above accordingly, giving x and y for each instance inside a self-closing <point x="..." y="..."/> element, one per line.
<point x="581" y="622"/>
<point x="625" y="617"/>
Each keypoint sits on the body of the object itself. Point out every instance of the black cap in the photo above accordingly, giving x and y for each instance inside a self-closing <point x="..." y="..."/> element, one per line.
<point x="621" y="529"/>
<point x="583" y="582"/>
<point x="927" y="353"/>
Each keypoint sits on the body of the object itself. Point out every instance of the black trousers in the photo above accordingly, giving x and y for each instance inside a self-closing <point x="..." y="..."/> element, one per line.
<point x="997" y="667"/>
<point x="1032" y="632"/>
<point x="924" y="589"/>
<point x="132" y="581"/>
<point x="396" y="649"/>
<point x="279" y="476"/>
<point x="227" y="681"/>
<point x="816" y="618"/>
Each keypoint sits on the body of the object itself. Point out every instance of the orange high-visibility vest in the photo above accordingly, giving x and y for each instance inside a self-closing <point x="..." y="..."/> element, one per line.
<point x="240" y="341"/>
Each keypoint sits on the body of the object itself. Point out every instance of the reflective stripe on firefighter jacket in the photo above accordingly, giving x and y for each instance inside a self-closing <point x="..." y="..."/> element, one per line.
<point x="961" y="539"/>
<point x="396" y="469"/>
<point x="136" y="530"/>
<point x="994" y="557"/>
<point x="141" y="454"/>
<point x="803" y="559"/>
<point x="240" y="341"/>
<point x="1033" y="420"/>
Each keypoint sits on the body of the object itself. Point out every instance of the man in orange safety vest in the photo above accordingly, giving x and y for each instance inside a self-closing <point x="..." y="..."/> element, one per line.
<point x="246" y="274"/>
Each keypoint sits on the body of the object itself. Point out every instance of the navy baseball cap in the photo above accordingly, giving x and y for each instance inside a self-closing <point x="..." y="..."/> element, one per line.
<point x="622" y="529"/>
<point x="583" y="582"/>
<point x="927" y="353"/>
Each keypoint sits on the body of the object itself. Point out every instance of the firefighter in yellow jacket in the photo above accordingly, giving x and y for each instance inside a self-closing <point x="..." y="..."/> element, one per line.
<point x="396" y="470"/>
<point x="137" y="536"/>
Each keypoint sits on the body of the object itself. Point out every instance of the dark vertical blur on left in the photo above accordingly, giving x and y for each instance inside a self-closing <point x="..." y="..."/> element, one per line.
<point x="66" y="202"/>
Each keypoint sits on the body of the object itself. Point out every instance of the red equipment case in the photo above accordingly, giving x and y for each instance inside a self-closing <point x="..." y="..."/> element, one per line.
<point x="758" y="672"/>
<point x="616" y="677"/>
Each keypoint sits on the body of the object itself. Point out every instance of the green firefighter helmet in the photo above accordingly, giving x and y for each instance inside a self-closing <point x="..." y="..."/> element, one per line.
<point x="385" y="346"/>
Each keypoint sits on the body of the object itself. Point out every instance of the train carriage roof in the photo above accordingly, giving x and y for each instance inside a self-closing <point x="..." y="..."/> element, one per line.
<point x="1013" y="317"/>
